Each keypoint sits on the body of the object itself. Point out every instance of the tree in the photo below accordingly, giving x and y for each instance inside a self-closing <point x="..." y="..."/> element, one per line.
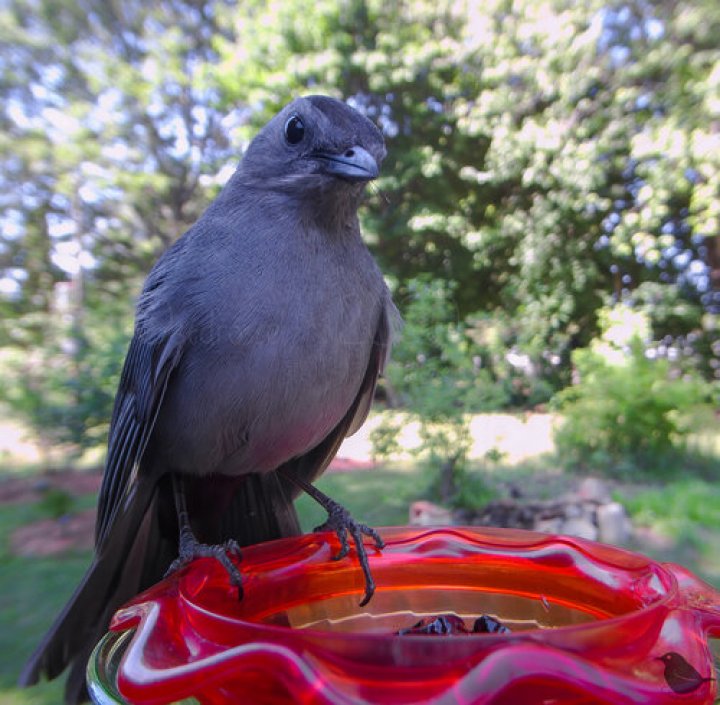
<point x="437" y="375"/>
<point x="112" y="145"/>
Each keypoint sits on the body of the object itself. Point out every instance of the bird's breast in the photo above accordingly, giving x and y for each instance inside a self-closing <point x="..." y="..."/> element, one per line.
<point x="271" y="380"/>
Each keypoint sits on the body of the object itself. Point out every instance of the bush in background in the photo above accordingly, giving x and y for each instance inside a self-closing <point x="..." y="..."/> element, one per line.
<point x="436" y="375"/>
<point x="627" y="410"/>
<point x="64" y="391"/>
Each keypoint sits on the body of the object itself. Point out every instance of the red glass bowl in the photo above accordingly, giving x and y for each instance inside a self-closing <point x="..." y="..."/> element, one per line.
<point x="589" y="624"/>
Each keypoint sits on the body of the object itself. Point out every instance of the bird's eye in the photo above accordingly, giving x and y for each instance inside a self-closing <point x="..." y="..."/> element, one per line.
<point x="294" y="129"/>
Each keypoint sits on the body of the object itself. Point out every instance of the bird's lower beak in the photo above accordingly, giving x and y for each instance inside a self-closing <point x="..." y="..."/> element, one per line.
<point x="354" y="164"/>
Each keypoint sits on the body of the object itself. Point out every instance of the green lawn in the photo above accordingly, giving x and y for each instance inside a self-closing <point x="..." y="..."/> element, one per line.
<point x="686" y="512"/>
<point x="375" y="497"/>
<point x="31" y="592"/>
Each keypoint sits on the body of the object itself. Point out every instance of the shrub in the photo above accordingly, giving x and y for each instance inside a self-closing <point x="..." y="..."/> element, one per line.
<point x="626" y="414"/>
<point x="436" y="375"/>
<point x="64" y="390"/>
<point x="56" y="503"/>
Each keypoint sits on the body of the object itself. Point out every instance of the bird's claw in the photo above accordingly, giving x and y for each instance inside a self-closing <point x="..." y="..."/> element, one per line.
<point x="190" y="549"/>
<point x="341" y="522"/>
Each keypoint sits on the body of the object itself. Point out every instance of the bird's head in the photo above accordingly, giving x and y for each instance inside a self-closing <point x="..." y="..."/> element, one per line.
<point x="315" y="145"/>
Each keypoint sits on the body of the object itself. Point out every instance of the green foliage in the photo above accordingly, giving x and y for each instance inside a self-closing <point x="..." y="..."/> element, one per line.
<point x="494" y="456"/>
<point x="684" y="514"/>
<point x="435" y="374"/>
<point x="65" y="390"/>
<point x="384" y="439"/>
<point x="628" y="414"/>
<point x="110" y="148"/>
<point x="56" y="503"/>
<point x="529" y="376"/>
<point x="434" y="368"/>
<point x="673" y="507"/>
<point x="473" y="492"/>
<point x="682" y="331"/>
<point x="544" y="156"/>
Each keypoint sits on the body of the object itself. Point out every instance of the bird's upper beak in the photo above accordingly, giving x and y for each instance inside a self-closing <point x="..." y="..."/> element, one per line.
<point x="354" y="164"/>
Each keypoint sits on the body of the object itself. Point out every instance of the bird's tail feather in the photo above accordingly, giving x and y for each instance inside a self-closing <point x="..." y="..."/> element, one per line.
<point x="263" y="510"/>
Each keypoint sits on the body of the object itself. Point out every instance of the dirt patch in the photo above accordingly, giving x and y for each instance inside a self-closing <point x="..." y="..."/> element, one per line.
<point x="21" y="490"/>
<point x="49" y="537"/>
<point x="75" y="532"/>
<point x="339" y="464"/>
<point x="24" y="490"/>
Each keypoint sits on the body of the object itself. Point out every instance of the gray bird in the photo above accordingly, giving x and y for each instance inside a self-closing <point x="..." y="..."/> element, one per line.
<point x="258" y="341"/>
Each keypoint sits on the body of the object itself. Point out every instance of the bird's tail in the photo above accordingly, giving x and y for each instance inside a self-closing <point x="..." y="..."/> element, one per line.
<point x="248" y="508"/>
<point x="138" y="550"/>
<point x="130" y="558"/>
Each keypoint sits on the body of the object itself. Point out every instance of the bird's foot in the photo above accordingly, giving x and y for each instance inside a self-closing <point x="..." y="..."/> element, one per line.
<point x="190" y="549"/>
<point x="342" y="523"/>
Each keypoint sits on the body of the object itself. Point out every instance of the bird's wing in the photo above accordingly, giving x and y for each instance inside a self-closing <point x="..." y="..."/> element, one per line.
<point x="376" y="367"/>
<point x="143" y="382"/>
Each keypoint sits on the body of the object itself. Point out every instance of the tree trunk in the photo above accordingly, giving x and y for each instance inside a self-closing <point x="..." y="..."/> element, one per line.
<point x="448" y="484"/>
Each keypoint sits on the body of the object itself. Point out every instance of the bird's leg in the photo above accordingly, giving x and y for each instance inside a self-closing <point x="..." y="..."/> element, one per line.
<point x="190" y="548"/>
<point x="341" y="522"/>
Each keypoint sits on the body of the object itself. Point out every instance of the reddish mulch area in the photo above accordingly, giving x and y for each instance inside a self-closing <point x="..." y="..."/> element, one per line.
<point x="49" y="537"/>
<point x="22" y="490"/>
<point x="349" y="465"/>
<point x="76" y="531"/>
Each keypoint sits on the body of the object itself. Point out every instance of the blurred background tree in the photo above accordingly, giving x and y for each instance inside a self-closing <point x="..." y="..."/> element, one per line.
<point x="112" y="144"/>
<point x="550" y="158"/>
<point x="437" y="374"/>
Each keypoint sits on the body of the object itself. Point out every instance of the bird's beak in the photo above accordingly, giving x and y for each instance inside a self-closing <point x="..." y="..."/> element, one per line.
<point x="354" y="164"/>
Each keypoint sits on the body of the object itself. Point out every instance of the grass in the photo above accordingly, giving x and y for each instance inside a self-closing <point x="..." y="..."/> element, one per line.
<point x="677" y="506"/>
<point x="686" y="513"/>
<point x="376" y="497"/>
<point x="32" y="591"/>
